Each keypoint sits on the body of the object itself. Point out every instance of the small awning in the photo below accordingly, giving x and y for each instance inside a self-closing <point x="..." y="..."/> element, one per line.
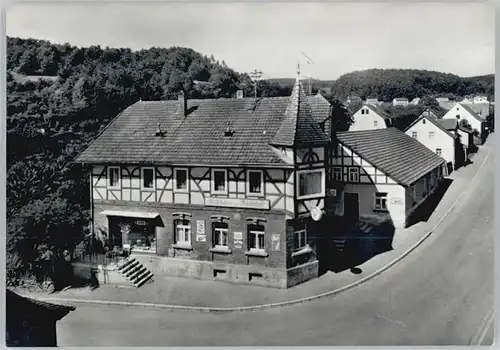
<point x="130" y="214"/>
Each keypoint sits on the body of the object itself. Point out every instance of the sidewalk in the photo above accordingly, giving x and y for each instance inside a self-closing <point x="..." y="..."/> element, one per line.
<point x="204" y="293"/>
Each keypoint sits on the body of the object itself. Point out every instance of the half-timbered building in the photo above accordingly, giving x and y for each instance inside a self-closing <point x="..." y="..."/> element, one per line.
<point x="383" y="173"/>
<point x="216" y="188"/>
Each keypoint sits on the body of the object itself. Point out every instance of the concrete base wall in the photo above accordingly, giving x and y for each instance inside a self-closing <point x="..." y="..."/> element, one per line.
<point x="103" y="274"/>
<point x="302" y="273"/>
<point x="110" y="275"/>
<point x="227" y="272"/>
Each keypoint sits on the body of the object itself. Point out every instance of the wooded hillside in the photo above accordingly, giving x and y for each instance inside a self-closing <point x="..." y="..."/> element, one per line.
<point x="386" y="84"/>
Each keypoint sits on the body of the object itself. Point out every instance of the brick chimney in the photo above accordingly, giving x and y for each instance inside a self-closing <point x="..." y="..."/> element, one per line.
<point x="182" y="99"/>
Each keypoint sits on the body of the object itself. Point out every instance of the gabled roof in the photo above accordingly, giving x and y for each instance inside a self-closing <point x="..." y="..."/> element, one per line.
<point x="399" y="156"/>
<point x="471" y="112"/>
<point x="431" y="117"/>
<point x="299" y="128"/>
<point x="481" y="109"/>
<point x="198" y="138"/>
<point x="377" y="110"/>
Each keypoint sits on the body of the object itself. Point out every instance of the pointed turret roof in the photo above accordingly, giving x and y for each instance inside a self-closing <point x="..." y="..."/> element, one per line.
<point x="299" y="128"/>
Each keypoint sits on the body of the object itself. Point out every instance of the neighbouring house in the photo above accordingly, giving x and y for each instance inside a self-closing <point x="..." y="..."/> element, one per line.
<point x="467" y="100"/>
<point x="372" y="101"/>
<point x="416" y="101"/>
<point x="466" y="137"/>
<point x="354" y="99"/>
<point x="445" y="103"/>
<point x="222" y="189"/>
<point x="370" y="117"/>
<point x="464" y="112"/>
<point x="30" y="322"/>
<point x="480" y="99"/>
<point x="440" y="136"/>
<point x="481" y="109"/>
<point x="384" y="173"/>
<point x="400" y="101"/>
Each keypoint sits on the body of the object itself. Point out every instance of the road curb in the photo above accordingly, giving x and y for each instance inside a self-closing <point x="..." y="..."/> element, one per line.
<point x="280" y="304"/>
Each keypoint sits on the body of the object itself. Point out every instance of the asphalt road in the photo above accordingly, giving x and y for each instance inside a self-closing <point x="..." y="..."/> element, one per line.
<point x="441" y="294"/>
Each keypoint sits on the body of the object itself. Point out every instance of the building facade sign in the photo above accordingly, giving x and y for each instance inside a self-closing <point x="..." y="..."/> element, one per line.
<point x="200" y="227"/>
<point x="238" y="240"/>
<point x="275" y="242"/>
<point x="237" y="203"/>
<point x="200" y="231"/>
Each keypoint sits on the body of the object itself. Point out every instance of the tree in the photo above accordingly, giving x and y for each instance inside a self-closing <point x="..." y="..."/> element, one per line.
<point x="341" y="117"/>
<point x="40" y="231"/>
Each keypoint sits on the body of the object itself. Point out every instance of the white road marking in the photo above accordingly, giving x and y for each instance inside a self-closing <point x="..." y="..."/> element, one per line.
<point x="399" y="323"/>
<point x="480" y="334"/>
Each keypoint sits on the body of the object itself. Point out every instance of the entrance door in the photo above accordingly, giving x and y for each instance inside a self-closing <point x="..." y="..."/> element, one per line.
<point x="351" y="207"/>
<point x="115" y="235"/>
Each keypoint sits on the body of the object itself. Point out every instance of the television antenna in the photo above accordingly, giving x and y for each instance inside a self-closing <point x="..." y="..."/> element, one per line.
<point x="255" y="75"/>
<point x="309" y="62"/>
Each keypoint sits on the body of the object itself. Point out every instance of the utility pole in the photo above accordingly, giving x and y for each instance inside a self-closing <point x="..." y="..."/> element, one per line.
<point x="309" y="62"/>
<point x="255" y="75"/>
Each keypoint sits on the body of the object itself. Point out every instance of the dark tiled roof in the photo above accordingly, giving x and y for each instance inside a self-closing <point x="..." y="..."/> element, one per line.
<point x="31" y="308"/>
<point x="401" y="157"/>
<point x="465" y="129"/>
<point x="197" y="139"/>
<point x="299" y="128"/>
<point x="320" y="107"/>
<point x="448" y="123"/>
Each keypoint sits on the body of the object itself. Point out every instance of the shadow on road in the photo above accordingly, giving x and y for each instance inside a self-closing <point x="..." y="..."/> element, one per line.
<point x="357" y="244"/>
<point x="425" y="210"/>
<point x="79" y="276"/>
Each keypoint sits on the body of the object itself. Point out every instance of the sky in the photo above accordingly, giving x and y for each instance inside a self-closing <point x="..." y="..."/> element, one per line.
<point x="454" y="38"/>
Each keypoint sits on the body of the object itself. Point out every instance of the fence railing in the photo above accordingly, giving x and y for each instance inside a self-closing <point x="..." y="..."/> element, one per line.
<point x="93" y="258"/>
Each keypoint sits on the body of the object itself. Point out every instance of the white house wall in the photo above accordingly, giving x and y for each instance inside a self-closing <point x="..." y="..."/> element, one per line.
<point x="464" y="138"/>
<point x="395" y="201"/>
<point x="371" y="180"/>
<point x="440" y="140"/>
<point x="366" y="121"/>
<point x="459" y="111"/>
